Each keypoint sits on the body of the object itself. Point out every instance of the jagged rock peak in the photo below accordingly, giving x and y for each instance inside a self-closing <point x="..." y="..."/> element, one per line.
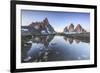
<point x="79" y="28"/>
<point x="66" y="29"/>
<point x="71" y="25"/>
<point x="46" y="20"/>
<point x="41" y="26"/>
<point x="71" y="28"/>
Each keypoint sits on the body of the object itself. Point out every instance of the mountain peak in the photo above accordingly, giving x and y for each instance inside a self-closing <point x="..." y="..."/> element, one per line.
<point x="46" y="20"/>
<point x="41" y="26"/>
<point x="71" y="28"/>
<point x="78" y="28"/>
<point x="72" y="24"/>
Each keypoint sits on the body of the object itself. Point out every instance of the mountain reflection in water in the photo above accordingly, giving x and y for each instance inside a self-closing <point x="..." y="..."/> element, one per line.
<point x="53" y="48"/>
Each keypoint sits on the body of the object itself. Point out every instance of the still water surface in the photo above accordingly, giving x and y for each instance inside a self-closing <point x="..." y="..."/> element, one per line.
<point x="54" y="48"/>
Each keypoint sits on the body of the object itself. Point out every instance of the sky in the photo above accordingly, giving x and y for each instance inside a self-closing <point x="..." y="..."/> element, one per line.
<point x="58" y="20"/>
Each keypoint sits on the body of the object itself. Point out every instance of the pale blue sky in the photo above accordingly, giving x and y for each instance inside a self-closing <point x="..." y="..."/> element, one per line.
<point x="59" y="20"/>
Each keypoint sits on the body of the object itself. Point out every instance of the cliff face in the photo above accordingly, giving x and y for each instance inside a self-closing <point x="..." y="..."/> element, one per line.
<point x="66" y="29"/>
<point x="71" y="28"/>
<point x="42" y="27"/>
<point x="78" y="28"/>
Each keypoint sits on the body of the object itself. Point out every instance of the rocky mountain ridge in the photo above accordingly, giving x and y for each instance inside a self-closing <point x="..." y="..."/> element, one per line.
<point x="71" y="28"/>
<point x="42" y="27"/>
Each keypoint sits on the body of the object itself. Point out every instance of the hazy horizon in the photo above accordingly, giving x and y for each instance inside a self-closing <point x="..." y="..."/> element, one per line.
<point x="58" y="20"/>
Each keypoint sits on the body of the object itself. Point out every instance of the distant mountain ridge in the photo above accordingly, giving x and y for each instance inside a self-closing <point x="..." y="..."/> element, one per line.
<point x="71" y="28"/>
<point x="43" y="27"/>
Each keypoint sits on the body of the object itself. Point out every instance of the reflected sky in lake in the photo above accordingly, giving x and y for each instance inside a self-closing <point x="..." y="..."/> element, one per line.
<point x="54" y="48"/>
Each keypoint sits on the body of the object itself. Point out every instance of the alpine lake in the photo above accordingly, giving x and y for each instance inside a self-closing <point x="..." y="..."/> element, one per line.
<point x="47" y="48"/>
